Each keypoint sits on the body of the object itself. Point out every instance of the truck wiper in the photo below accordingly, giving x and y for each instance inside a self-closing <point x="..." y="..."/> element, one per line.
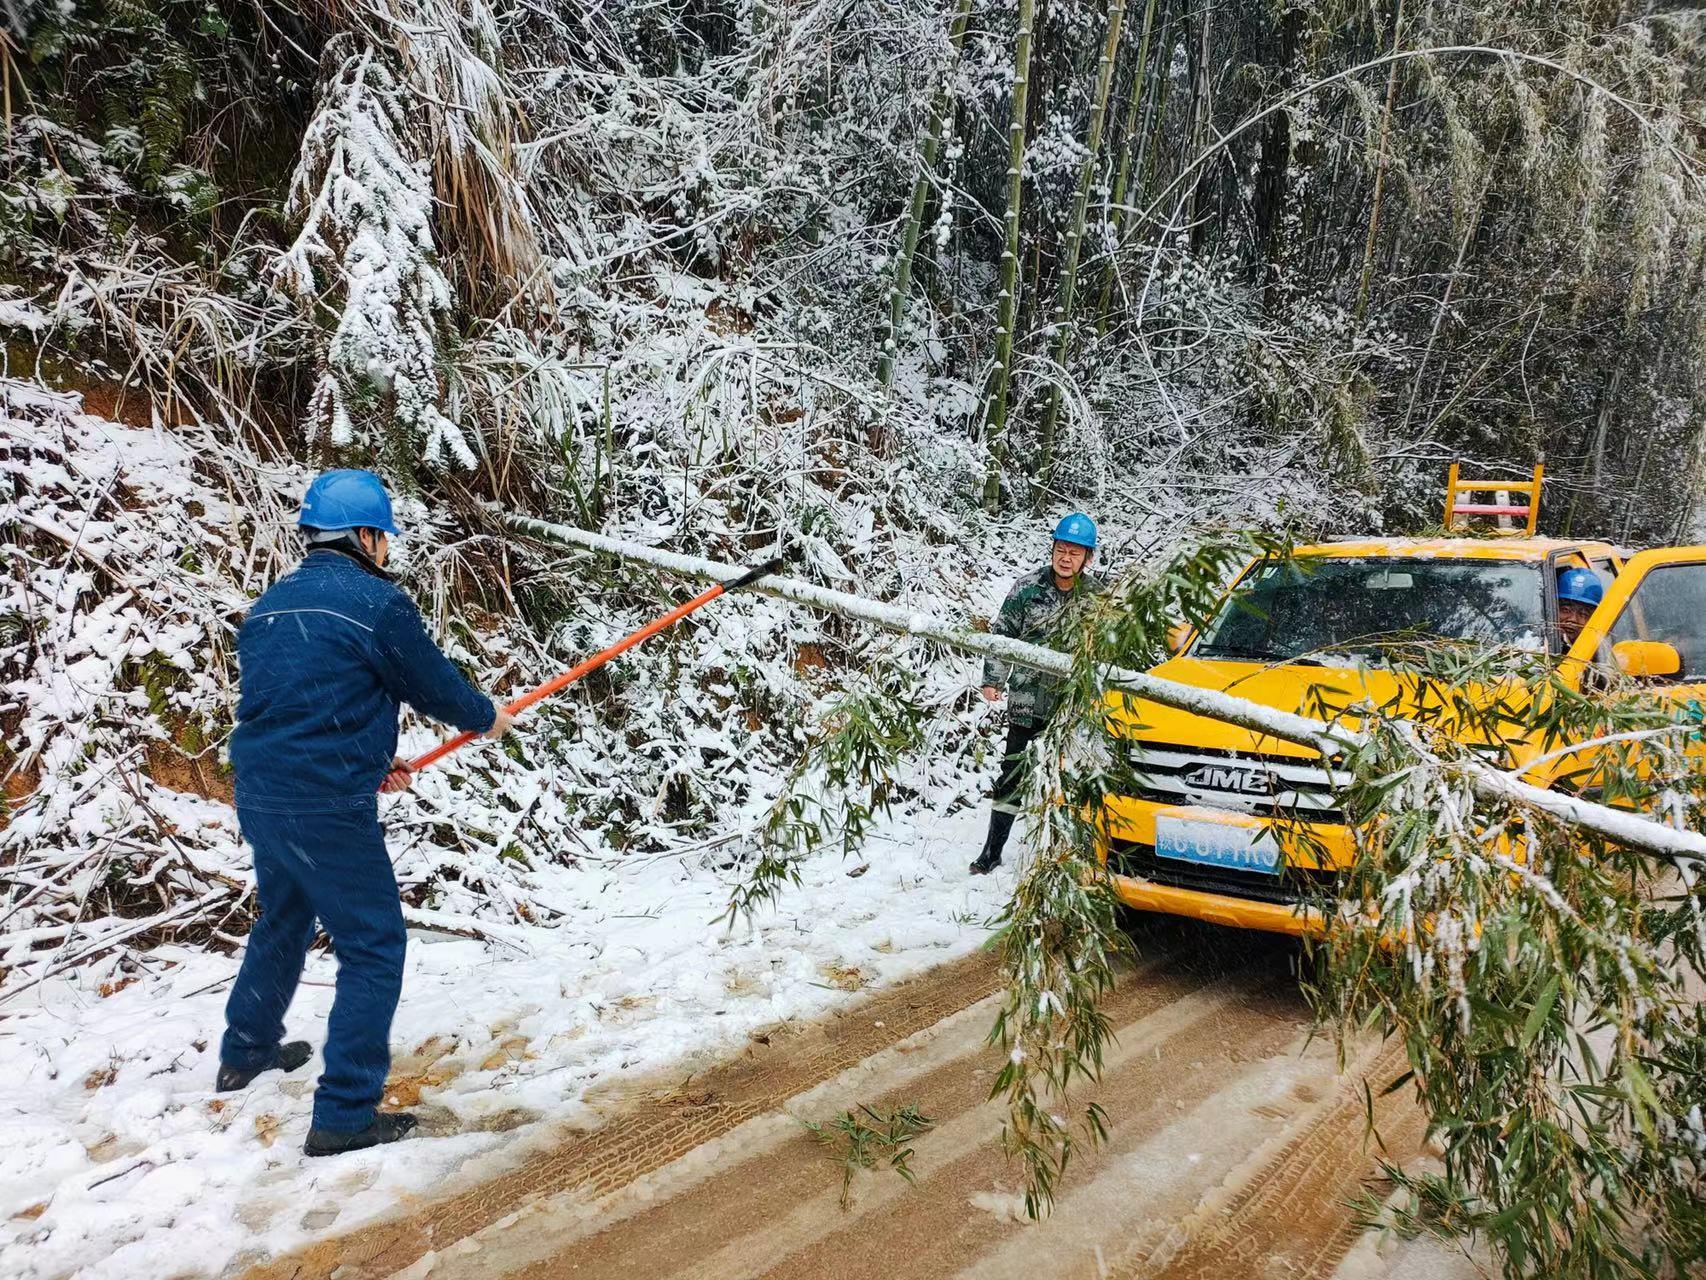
<point x="1240" y="651"/>
<point x="1257" y="655"/>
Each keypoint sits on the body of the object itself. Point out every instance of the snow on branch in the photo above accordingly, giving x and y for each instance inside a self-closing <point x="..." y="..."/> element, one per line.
<point x="450" y="54"/>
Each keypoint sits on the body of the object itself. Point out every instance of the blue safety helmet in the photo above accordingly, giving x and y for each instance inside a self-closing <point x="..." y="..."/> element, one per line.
<point x="1078" y="529"/>
<point x="1580" y="585"/>
<point x="347" y="499"/>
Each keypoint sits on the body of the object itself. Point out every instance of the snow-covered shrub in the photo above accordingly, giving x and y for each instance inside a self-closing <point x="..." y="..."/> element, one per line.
<point x="366" y="252"/>
<point x="129" y="575"/>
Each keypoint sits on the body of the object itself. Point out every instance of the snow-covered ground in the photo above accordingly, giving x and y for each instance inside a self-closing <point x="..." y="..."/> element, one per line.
<point x="121" y="1161"/>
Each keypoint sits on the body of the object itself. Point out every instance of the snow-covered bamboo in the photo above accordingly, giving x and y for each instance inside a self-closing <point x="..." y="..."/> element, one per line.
<point x="1625" y="828"/>
<point x="940" y="108"/>
<point x="1075" y="231"/>
<point x="1137" y="127"/>
<point x="995" y="417"/>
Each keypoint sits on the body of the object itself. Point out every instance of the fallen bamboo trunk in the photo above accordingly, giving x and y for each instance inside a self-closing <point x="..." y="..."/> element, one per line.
<point x="1625" y="828"/>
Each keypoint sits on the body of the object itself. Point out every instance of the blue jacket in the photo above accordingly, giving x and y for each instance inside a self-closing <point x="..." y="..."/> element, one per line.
<point x="324" y="658"/>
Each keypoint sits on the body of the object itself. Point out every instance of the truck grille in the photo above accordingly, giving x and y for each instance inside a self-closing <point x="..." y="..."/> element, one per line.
<point x="1240" y="782"/>
<point x="1291" y="886"/>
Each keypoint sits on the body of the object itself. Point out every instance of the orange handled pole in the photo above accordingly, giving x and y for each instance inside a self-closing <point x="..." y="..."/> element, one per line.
<point x="562" y="681"/>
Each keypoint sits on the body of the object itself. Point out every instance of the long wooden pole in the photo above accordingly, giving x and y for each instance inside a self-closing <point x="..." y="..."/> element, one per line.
<point x="557" y="683"/>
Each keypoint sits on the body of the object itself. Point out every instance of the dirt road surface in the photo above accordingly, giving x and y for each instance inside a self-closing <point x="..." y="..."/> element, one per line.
<point x="1236" y="1143"/>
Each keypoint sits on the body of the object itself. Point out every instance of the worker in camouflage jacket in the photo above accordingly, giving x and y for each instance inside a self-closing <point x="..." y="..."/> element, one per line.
<point x="1032" y="612"/>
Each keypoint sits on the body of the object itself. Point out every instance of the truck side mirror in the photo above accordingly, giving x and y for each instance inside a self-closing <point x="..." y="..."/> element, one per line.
<point x="1177" y="634"/>
<point x="1646" y="659"/>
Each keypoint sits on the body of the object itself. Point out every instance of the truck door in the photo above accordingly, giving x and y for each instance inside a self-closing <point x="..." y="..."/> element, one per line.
<point x="1652" y="622"/>
<point x="1651" y="625"/>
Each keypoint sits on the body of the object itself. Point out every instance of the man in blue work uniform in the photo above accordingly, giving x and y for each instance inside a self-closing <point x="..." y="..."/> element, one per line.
<point x="325" y="657"/>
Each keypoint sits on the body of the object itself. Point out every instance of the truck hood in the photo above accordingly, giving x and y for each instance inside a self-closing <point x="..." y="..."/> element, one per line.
<point x="1301" y="689"/>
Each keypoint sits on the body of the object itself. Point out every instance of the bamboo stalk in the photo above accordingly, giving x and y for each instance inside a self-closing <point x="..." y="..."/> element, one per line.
<point x="995" y="421"/>
<point x="1201" y="109"/>
<point x="1464" y="241"/>
<point x="1685" y="515"/>
<point x="1155" y="123"/>
<point x="920" y="199"/>
<point x="1075" y="235"/>
<point x="1380" y="164"/>
<point x="1143" y="101"/>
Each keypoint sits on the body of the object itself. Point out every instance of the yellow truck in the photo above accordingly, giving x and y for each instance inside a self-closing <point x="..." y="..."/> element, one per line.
<point x="1208" y="830"/>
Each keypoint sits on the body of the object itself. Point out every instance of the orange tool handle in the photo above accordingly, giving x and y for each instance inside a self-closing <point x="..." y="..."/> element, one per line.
<point x="566" y="678"/>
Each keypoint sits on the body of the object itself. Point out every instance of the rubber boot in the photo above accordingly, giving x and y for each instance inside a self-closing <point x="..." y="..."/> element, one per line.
<point x="999" y="825"/>
<point x="287" y="1057"/>
<point x="387" y="1126"/>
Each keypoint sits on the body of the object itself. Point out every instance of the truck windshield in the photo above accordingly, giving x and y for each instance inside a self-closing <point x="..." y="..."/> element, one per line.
<point x="1294" y="608"/>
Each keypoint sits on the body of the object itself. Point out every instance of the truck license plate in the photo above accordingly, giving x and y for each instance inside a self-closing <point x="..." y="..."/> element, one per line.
<point x="1232" y="845"/>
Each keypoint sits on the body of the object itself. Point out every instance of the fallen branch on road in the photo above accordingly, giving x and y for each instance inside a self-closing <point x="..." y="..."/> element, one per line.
<point x="65" y="958"/>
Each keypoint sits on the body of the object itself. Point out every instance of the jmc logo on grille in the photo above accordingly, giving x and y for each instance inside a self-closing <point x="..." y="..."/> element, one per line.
<point x="1223" y="777"/>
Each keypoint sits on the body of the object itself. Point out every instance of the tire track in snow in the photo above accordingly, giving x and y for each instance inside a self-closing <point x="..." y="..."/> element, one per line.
<point x="657" y="1131"/>
<point x="776" y="1209"/>
<point x="1288" y="1208"/>
<point x="1235" y="1143"/>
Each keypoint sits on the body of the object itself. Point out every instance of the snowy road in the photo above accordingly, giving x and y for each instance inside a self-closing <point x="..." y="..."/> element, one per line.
<point x="1235" y="1145"/>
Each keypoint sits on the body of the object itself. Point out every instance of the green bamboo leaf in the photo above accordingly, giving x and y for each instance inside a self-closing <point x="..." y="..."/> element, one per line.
<point x="1542" y="1008"/>
<point x="1398" y="1084"/>
<point x="1645" y="1101"/>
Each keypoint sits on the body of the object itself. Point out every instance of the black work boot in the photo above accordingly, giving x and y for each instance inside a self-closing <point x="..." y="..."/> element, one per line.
<point x="999" y="825"/>
<point x="287" y="1057"/>
<point x="387" y="1126"/>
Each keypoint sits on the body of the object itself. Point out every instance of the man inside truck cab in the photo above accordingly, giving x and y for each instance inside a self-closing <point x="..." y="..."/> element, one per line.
<point x="1579" y="594"/>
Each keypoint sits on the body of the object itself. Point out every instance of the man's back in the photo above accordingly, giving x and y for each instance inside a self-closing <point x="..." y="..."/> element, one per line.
<point x="325" y="657"/>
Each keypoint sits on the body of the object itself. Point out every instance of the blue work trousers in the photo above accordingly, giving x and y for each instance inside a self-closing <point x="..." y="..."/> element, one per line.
<point x="331" y="867"/>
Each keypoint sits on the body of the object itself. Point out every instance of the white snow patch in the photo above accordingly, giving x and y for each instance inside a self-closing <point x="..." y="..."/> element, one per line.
<point x="113" y="1125"/>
